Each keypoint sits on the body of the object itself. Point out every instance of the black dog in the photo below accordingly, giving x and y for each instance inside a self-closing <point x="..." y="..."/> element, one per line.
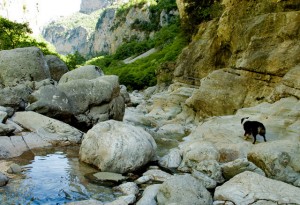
<point x="253" y="128"/>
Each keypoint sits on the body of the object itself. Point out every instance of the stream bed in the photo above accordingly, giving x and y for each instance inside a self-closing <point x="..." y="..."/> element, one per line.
<point x="53" y="176"/>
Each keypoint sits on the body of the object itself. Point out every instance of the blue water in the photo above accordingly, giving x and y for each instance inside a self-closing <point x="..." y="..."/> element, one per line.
<point x="54" y="178"/>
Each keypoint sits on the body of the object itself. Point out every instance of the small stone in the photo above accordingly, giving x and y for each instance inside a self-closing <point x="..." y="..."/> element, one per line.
<point x="3" y="179"/>
<point x="157" y="175"/>
<point x="128" y="188"/>
<point x="143" y="179"/>
<point x="106" y="178"/>
<point x="3" y="116"/>
<point x="14" y="169"/>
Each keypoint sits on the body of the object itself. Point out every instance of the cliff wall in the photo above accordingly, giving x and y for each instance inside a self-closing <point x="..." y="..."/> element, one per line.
<point x="89" y="6"/>
<point x="103" y="31"/>
<point x="242" y="58"/>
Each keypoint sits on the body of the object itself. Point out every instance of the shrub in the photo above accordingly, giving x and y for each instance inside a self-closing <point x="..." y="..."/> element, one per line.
<point x="74" y="60"/>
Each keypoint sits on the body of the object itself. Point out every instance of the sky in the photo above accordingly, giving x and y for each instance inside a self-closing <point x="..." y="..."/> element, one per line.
<point x="37" y="12"/>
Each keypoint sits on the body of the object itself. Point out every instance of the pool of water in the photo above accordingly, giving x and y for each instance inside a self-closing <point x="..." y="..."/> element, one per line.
<point x="53" y="176"/>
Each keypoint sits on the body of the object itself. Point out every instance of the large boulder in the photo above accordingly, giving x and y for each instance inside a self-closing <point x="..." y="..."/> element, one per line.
<point x="22" y="64"/>
<point x="50" y="101"/>
<point x="245" y="90"/>
<point x="102" y="99"/>
<point x="50" y="130"/>
<point x="56" y="66"/>
<point x="279" y="159"/>
<point x="252" y="188"/>
<point x="87" y="72"/>
<point x="15" y="97"/>
<point x="117" y="147"/>
<point x="183" y="189"/>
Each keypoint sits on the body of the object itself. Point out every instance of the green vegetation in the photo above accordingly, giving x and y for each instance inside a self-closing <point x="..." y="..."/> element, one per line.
<point x="169" y="41"/>
<point x="199" y="11"/>
<point x="74" y="60"/>
<point x="142" y="73"/>
<point x="17" y="35"/>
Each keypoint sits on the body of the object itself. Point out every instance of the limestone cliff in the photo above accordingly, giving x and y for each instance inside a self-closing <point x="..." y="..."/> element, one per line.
<point x="89" y="6"/>
<point x="244" y="57"/>
<point x="72" y="33"/>
<point x="103" y="31"/>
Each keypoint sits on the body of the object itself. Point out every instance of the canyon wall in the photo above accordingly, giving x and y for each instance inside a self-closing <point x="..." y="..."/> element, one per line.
<point x="104" y="30"/>
<point x="244" y="57"/>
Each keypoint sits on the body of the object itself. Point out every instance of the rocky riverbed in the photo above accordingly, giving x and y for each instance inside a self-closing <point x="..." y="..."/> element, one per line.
<point x="159" y="150"/>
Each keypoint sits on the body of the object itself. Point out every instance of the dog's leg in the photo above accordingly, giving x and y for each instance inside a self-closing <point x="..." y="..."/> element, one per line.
<point x="254" y="136"/>
<point x="264" y="137"/>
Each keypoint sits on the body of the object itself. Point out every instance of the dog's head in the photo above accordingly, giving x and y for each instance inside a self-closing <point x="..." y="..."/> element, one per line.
<point x="244" y="119"/>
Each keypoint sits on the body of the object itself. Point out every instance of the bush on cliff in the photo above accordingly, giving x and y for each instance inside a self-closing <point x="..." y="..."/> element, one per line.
<point x="199" y="11"/>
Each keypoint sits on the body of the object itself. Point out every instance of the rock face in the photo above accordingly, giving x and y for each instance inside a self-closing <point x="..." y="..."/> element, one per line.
<point x="88" y="6"/>
<point x="183" y="190"/>
<point x="252" y="188"/>
<point x="78" y="37"/>
<point x="105" y="30"/>
<point x="116" y="147"/>
<point x="21" y="65"/>
<point x="250" y="50"/>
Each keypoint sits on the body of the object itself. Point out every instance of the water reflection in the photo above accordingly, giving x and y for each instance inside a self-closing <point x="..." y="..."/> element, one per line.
<point x="53" y="177"/>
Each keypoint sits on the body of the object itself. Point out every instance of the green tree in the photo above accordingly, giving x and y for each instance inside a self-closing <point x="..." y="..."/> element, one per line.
<point x="13" y="34"/>
<point x="17" y="35"/>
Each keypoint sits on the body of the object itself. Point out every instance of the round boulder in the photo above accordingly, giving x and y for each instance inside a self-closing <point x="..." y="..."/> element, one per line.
<point x="114" y="146"/>
<point x="22" y="64"/>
